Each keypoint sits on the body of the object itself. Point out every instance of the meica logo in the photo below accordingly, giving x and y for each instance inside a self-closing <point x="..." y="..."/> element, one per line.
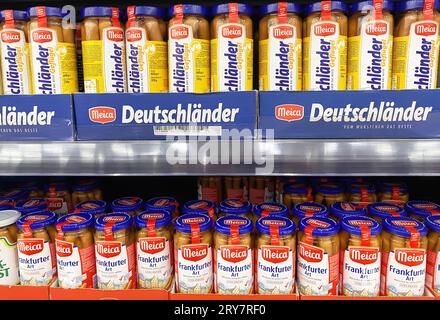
<point x="116" y="35"/>
<point x="274" y="223"/>
<point x="89" y="205"/>
<point x="404" y="223"/>
<point x="234" y="203"/>
<point x="360" y="223"/>
<point x="234" y="254"/>
<point x="317" y="223"/>
<point x="364" y="255"/>
<point x="275" y="254"/>
<point x="127" y="202"/>
<point x="152" y="245"/>
<point x="310" y="253"/>
<point x="347" y="206"/>
<point x="289" y="112"/>
<point x="10" y="36"/>
<point x="410" y="257"/>
<point x="386" y="208"/>
<point x="38" y="217"/>
<point x="179" y="32"/>
<point x="426" y="29"/>
<point x="234" y="222"/>
<point x="325" y="29"/>
<point x="425" y="206"/>
<point x="155" y="216"/>
<point x="232" y="32"/>
<point x="42" y="36"/>
<point x="193" y="220"/>
<point x="102" y="114"/>
<point x="270" y="207"/>
<point x="283" y="32"/>
<point x="195" y="252"/>
<point x="377" y="28"/>
<point x="108" y="249"/>
<point x="309" y="208"/>
<point x="64" y="249"/>
<point x="72" y="218"/>
<point x="133" y="35"/>
<point x="113" y="219"/>
<point x="198" y="205"/>
<point x="31" y="246"/>
<point x="31" y="203"/>
<point x="161" y="202"/>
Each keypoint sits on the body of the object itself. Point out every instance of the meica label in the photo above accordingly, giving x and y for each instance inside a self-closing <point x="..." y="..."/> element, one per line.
<point x="234" y="270"/>
<point x="15" y="62"/>
<point x="115" y="265"/>
<point x="8" y="262"/>
<point x="114" y="60"/>
<point x="433" y="271"/>
<point x="45" y="62"/>
<point x="370" y="57"/>
<point x="154" y="266"/>
<point x="325" y="58"/>
<point x="37" y="262"/>
<point x="403" y="272"/>
<point x="193" y="265"/>
<point x="360" y="268"/>
<point x="76" y="267"/>
<point x="275" y="270"/>
<point x="318" y="272"/>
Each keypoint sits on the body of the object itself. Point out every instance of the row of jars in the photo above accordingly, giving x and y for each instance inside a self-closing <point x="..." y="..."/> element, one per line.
<point x="312" y="48"/>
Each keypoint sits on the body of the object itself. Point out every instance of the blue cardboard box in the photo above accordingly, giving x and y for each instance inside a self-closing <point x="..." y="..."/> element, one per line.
<point x="36" y="117"/>
<point x="153" y="116"/>
<point x="351" y="114"/>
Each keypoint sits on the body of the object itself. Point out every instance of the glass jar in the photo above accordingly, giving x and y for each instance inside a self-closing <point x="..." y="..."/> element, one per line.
<point x="265" y="209"/>
<point x="86" y="190"/>
<point x="276" y="250"/>
<point x="31" y="205"/>
<point x="280" y="44"/>
<point x="59" y="198"/>
<point x="36" y="248"/>
<point x="297" y="193"/>
<point x="154" y="242"/>
<point x="114" y="242"/>
<point x="210" y="188"/>
<point x="13" y="196"/>
<point x="433" y="262"/>
<point x="232" y="40"/>
<point x="370" y="45"/>
<point x="201" y="206"/>
<point x="318" y="256"/>
<point x="327" y="194"/>
<point x="363" y="193"/>
<point x="15" y="42"/>
<point x="35" y="189"/>
<point x="193" y="251"/>
<point x="96" y="208"/>
<point x="235" y="207"/>
<point x="420" y="210"/>
<point x="361" y="246"/>
<point x="236" y="187"/>
<point x="381" y="210"/>
<point x="131" y="205"/>
<point x="189" y="36"/>
<point x="403" y="257"/>
<point x="52" y="42"/>
<point x="233" y="255"/>
<point x="339" y="210"/>
<point x="325" y="24"/>
<point x="261" y="189"/>
<point x="393" y="192"/>
<point x="308" y="209"/>
<point x="75" y="250"/>
<point x="167" y="203"/>
<point x="146" y="37"/>
<point x="8" y="248"/>
<point x="102" y="31"/>
<point x="281" y="182"/>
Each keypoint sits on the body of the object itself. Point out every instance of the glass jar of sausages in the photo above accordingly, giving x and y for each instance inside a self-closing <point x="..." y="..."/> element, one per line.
<point x="261" y="189"/>
<point x="232" y="41"/>
<point x="361" y="246"/>
<point x="403" y="257"/>
<point x="329" y="193"/>
<point x="201" y="206"/>
<point x="75" y="249"/>
<point x="115" y="252"/>
<point x="318" y="256"/>
<point x="13" y="196"/>
<point x="154" y="242"/>
<point x="167" y="203"/>
<point x="8" y="248"/>
<point x="297" y="193"/>
<point x="235" y="207"/>
<point x="233" y="255"/>
<point x="14" y="46"/>
<point x="381" y="210"/>
<point x="95" y="207"/>
<point x="53" y="56"/>
<point x="59" y="198"/>
<point x="36" y="248"/>
<point x="281" y="182"/>
<point x="276" y="250"/>
<point x="265" y="209"/>
<point x="363" y="193"/>
<point x="433" y="262"/>
<point x="210" y="188"/>
<point x="280" y="42"/>
<point x="31" y="205"/>
<point x="130" y="205"/>
<point x="86" y="190"/>
<point x="308" y="209"/>
<point x="420" y="209"/>
<point x="393" y="192"/>
<point x="236" y="187"/>
<point x="35" y="189"/>
<point x="193" y="251"/>
<point x="339" y="210"/>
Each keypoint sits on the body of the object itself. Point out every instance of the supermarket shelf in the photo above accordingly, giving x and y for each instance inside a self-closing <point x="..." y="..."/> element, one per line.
<point x="298" y="157"/>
